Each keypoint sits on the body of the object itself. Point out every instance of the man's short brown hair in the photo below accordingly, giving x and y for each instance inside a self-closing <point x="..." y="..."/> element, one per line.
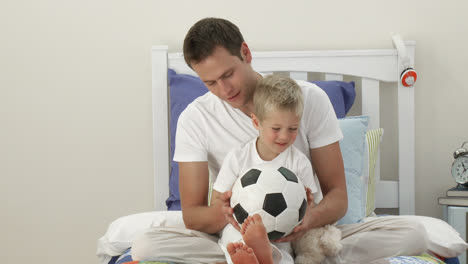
<point x="208" y="34"/>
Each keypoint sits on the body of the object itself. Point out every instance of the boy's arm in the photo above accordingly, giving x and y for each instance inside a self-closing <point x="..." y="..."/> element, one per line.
<point x="193" y="187"/>
<point x="328" y="165"/>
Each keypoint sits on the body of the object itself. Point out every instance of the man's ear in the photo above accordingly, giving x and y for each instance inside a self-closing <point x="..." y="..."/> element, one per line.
<point x="245" y="52"/>
<point x="255" y="121"/>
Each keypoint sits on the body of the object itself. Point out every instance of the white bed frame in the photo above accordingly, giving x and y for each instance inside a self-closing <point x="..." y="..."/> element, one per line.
<point x="372" y="66"/>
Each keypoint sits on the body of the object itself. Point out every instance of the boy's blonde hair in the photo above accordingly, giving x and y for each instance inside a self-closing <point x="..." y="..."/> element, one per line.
<point x="274" y="92"/>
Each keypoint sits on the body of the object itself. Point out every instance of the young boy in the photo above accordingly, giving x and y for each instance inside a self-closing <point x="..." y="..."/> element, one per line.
<point x="278" y="107"/>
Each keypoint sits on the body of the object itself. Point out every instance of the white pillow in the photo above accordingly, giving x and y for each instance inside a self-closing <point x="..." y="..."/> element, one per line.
<point x="122" y="231"/>
<point x="443" y="239"/>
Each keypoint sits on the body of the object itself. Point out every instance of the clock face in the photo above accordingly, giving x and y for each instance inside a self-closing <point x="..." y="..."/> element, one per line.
<point x="460" y="170"/>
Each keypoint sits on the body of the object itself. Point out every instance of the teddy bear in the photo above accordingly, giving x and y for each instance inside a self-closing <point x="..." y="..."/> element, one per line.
<point x="316" y="244"/>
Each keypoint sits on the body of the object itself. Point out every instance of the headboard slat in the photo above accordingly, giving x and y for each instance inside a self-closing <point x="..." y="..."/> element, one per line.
<point x="333" y="77"/>
<point x="371" y="101"/>
<point x="298" y="75"/>
<point x="267" y="73"/>
<point x="161" y="147"/>
<point x="406" y="138"/>
<point x="371" y="107"/>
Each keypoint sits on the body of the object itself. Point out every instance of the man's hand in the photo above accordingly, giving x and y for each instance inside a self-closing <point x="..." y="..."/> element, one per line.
<point x="300" y="230"/>
<point x="224" y="201"/>
<point x="227" y="210"/>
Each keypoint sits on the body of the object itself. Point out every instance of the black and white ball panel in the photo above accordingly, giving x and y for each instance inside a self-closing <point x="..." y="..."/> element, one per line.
<point x="250" y="177"/>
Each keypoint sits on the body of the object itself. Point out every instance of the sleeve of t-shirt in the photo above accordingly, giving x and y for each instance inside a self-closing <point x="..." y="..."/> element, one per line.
<point x="321" y="122"/>
<point x="190" y="141"/>
<point x="306" y="172"/>
<point x="227" y="174"/>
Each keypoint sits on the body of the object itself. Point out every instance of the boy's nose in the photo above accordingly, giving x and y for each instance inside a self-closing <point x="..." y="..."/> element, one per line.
<point x="283" y="135"/>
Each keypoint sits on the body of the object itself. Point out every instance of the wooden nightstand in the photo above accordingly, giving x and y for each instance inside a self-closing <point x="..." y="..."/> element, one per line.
<point x="456" y="214"/>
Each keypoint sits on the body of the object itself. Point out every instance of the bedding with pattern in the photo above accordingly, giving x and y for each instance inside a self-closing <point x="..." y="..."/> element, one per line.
<point x="424" y="258"/>
<point x="359" y="149"/>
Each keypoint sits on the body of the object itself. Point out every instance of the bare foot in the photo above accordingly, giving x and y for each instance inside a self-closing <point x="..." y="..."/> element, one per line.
<point x="241" y="253"/>
<point x="255" y="236"/>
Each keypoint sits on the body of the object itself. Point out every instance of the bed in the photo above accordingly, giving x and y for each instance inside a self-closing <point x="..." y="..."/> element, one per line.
<point x="343" y="74"/>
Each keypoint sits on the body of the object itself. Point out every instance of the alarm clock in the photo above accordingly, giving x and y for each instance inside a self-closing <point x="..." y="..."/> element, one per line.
<point x="460" y="165"/>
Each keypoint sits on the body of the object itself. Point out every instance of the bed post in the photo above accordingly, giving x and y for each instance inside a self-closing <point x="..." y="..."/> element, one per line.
<point x="161" y="145"/>
<point x="406" y="131"/>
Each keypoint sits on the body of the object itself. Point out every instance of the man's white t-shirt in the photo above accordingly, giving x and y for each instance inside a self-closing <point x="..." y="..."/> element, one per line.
<point x="209" y="128"/>
<point x="240" y="160"/>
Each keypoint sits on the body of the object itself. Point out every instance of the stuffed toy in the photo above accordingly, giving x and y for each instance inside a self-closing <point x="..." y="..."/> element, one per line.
<point x="316" y="244"/>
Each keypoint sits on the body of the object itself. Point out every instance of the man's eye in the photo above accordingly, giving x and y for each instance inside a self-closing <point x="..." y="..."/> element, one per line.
<point x="229" y="74"/>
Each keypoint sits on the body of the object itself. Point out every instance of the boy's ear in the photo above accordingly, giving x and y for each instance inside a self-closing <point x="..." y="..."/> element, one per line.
<point x="255" y="121"/>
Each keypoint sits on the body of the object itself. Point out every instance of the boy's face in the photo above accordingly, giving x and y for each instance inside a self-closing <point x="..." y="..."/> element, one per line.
<point x="277" y="132"/>
<point x="228" y="77"/>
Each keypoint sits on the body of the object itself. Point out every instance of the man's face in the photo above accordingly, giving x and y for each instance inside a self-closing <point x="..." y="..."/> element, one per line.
<point x="228" y="77"/>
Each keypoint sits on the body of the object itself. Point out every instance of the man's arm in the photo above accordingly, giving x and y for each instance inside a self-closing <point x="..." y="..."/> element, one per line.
<point x="328" y="165"/>
<point x="193" y="187"/>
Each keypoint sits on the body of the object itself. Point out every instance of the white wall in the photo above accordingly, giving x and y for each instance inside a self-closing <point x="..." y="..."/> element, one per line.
<point x="75" y="109"/>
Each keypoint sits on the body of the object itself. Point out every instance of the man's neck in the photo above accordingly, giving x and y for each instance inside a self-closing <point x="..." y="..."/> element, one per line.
<point x="249" y="106"/>
<point x="247" y="109"/>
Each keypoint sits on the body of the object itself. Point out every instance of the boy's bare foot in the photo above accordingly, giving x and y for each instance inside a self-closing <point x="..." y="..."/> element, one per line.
<point x="241" y="253"/>
<point x="255" y="236"/>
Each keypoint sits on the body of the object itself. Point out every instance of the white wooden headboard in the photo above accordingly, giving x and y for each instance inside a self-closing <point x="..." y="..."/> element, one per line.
<point x="371" y="66"/>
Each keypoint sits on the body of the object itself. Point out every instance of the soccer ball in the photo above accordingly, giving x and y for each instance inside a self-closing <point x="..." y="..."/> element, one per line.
<point x="275" y="193"/>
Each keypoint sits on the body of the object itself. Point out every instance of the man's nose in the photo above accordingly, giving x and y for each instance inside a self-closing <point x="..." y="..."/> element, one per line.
<point x="224" y="86"/>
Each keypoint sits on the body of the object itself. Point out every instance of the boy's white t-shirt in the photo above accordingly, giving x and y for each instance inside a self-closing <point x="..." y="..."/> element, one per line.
<point x="209" y="128"/>
<point x="240" y="160"/>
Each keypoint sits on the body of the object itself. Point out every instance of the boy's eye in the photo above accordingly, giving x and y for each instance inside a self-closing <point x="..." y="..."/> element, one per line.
<point x="292" y="129"/>
<point x="276" y="128"/>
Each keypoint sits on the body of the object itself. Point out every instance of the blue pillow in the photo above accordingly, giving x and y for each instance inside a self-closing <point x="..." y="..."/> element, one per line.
<point x="184" y="89"/>
<point x="352" y="148"/>
<point x="341" y="94"/>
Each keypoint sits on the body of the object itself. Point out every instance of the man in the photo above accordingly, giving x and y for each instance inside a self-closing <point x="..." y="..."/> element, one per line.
<point x="220" y="120"/>
<point x="227" y="72"/>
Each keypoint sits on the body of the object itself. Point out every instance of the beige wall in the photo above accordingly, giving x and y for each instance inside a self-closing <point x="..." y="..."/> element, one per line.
<point x="75" y="109"/>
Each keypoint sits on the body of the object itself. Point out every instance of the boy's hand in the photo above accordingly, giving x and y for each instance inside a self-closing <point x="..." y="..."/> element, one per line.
<point x="300" y="230"/>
